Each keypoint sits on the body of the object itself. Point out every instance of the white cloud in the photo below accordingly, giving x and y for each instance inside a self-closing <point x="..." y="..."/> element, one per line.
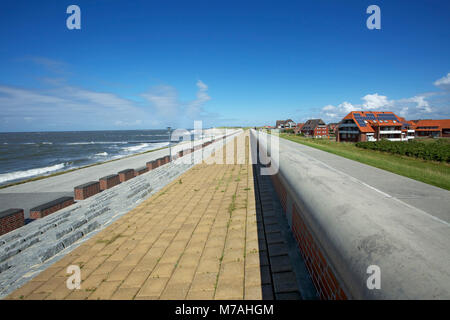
<point x="444" y="82"/>
<point x="375" y="101"/>
<point x="164" y="99"/>
<point x="424" y="105"/>
<point x="78" y="107"/>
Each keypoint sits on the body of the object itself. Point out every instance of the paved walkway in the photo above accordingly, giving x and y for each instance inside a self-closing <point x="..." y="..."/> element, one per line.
<point x="195" y="239"/>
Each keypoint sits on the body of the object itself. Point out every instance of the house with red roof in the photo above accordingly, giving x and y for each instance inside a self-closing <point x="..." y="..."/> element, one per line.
<point x="298" y="128"/>
<point x="315" y="128"/>
<point x="373" y="126"/>
<point x="432" y="128"/>
<point x="285" y="124"/>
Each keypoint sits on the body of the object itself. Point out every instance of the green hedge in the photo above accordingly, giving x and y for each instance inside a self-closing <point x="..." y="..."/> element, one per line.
<point x="438" y="150"/>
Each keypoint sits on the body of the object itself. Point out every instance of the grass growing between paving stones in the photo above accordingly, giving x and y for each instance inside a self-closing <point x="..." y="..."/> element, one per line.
<point x="431" y="172"/>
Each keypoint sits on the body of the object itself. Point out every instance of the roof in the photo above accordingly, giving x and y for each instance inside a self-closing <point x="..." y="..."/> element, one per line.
<point x="311" y="124"/>
<point x="366" y="120"/>
<point x="279" y="122"/>
<point x="440" y="124"/>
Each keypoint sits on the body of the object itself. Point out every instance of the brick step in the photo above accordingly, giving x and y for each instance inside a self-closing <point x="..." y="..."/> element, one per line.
<point x="11" y="219"/>
<point x="126" y="174"/>
<point x="86" y="190"/>
<point x="109" y="181"/>
<point x="50" y="207"/>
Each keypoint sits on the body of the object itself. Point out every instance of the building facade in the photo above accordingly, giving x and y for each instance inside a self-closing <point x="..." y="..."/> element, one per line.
<point x="298" y="128"/>
<point x="285" y="124"/>
<point x="374" y="126"/>
<point x="432" y="128"/>
<point x="315" y="128"/>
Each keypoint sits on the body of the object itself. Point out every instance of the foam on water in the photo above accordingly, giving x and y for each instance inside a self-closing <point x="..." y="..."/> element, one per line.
<point x="10" y="176"/>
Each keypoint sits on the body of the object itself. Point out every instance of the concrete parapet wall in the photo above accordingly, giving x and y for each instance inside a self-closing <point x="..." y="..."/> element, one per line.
<point x="344" y="227"/>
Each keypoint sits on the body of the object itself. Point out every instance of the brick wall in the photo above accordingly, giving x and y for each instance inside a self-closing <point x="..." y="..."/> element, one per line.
<point x="10" y="220"/>
<point x="125" y="175"/>
<point x="109" y="181"/>
<point x="318" y="267"/>
<point x="50" y="207"/>
<point x="281" y="191"/>
<point x="321" y="273"/>
<point x="140" y="171"/>
<point x="86" y="190"/>
<point x="151" y="165"/>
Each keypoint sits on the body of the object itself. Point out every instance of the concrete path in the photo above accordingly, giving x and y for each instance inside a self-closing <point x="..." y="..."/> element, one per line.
<point x="195" y="239"/>
<point x="433" y="200"/>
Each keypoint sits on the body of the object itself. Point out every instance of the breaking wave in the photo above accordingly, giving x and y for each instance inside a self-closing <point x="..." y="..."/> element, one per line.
<point x="5" y="177"/>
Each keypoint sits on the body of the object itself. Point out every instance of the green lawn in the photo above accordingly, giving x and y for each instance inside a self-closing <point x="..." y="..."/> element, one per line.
<point x="434" y="173"/>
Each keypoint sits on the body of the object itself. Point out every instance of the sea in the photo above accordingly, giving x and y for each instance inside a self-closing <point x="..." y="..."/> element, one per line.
<point x="25" y="155"/>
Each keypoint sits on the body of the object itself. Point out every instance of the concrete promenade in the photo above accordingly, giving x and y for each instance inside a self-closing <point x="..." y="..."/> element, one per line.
<point x="195" y="239"/>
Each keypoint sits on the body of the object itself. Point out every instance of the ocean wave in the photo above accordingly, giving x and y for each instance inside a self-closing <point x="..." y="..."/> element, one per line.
<point x="30" y="173"/>
<point x="104" y="154"/>
<point x="136" y="148"/>
<point x="97" y="142"/>
<point x="145" y="147"/>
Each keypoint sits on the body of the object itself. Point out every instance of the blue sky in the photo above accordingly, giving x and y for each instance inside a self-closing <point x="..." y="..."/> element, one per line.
<point x="149" y="64"/>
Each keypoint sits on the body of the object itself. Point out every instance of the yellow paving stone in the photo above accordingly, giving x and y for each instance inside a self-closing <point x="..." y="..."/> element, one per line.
<point x="152" y="287"/>
<point x="135" y="279"/>
<point x="163" y="270"/>
<point x="106" y="267"/>
<point x="36" y="296"/>
<point x="92" y="281"/>
<point x="208" y="265"/>
<point x="120" y="273"/>
<point x="47" y="274"/>
<point x="253" y="293"/>
<point x="105" y="290"/>
<point x="182" y="275"/>
<point x="252" y="259"/>
<point x="229" y="290"/>
<point x="26" y="290"/>
<point x="147" y="263"/>
<point x="124" y="294"/>
<point x="200" y="295"/>
<point x="191" y="240"/>
<point x="205" y="281"/>
<point x="252" y="276"/>
<point x="78" y="295"/>
<point x="59" y="293"/>
<point x="50" y="285"/>
<point x="175" y="291"/>
<point x="189" y="259"/>
<point x="232" y="270"/>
